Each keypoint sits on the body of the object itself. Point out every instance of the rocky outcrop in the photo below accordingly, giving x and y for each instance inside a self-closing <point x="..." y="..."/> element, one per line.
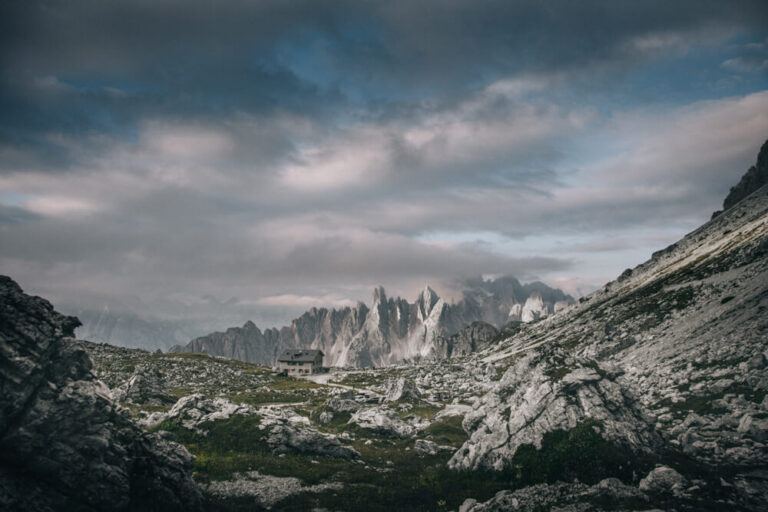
<point x="664" y="480"/>
<point x="671" y="354"/>
<point x="563" y="497"/>
<point x="64" y="444"/>
<point x="755" y="177"/>
<point x="339" y="404"/>
<point x="467" y="341"/>
<point x="544" y="391"/>
<point x="402" y="389"/>
<point x="146" y="386"/>
<point x="535" y="309"/>
<point x="386" y="422"/>
<point x="292" y="438"/>
<point x="291" y="432"/>
<point x="391" y="330"/>
<point x="194" y="411"/>
<point x="264" y="490"/>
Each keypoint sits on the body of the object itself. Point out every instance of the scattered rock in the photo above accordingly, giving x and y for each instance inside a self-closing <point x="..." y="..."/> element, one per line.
<point x="265" y="489"/>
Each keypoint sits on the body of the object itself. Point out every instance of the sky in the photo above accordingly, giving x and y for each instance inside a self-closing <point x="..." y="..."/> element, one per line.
<point x="263" y="157"/>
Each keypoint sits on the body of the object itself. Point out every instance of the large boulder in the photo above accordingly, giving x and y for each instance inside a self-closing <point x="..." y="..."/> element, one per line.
<point x="64" y="443"/>
<point x="564" y="497"/>
<point x="193" y="411"/>
<point x="402" y="389"/>
<point x="549" y="390"/>
<point x="264" y="490"/>
<point x="292" y="438"/>
<point x="386" y="422"/>
<point x="339" y="405"/>
<point x="664" y="479"/>
<point x="146" y="386"/>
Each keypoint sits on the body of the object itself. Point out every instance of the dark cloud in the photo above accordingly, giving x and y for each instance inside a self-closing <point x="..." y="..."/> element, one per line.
<point x="291" y="152"/>
<point x="197" y="58"/>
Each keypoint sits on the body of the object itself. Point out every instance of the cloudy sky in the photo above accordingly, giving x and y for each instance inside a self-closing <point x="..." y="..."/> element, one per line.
<point x="273" y="155"/>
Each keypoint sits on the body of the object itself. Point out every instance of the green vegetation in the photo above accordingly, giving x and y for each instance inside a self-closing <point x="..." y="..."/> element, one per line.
<point x="579" y="453"/>
<point x="447" y="431"/>
<point x="557" y="373"/>
<point x="365" y="380"/>
<point x="423" y="410"/>
<point x="392" y="477"/>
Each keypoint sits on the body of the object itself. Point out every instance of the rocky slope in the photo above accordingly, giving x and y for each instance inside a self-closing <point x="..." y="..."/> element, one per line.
<point x="669" y="358"/>
<point x="64" y="444"/>
<point x="392" y="329"/>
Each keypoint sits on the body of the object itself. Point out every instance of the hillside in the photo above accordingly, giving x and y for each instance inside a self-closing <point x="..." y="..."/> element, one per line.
<point x="649" y="393"/>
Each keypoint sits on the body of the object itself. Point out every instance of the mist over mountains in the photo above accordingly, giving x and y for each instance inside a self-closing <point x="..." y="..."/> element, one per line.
<point x="391" y="329"/>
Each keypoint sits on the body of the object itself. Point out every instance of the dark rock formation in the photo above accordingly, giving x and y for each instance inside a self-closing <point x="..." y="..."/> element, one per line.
<point x="468" y="340"/>
<point x="753" y="179"/>
<point x="64" y="444"/>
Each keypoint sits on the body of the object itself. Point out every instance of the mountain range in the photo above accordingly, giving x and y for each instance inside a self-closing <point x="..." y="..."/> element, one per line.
<point x="391" y="329"/>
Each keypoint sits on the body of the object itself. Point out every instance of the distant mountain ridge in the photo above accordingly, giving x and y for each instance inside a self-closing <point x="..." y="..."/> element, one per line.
<point x="132" y="330"/>
<point x="391" y="329"/>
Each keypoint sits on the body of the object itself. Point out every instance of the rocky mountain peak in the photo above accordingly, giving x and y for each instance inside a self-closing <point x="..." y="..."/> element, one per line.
<point x="755" y="177"/>
<point x="391" y="330"/>
<point x="379" y="295"/>
<point x="427" y="300"/>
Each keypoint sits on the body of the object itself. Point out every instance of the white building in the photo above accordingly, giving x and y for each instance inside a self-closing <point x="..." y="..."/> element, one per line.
<point x="300" y="362"/>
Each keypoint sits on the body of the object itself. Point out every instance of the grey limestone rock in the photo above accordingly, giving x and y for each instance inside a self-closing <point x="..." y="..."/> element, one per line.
<point x="338" y="404"/>
<point x="146" y="386"/>
<point x="562" y="497"/>
<point x="664" y="479"/>
<point x="266" y="490"/>
<point x="402" y="389"/>
<point x="292" y="438"/>
<point x="544" y="391"/>
<point x="64" y="444"/>
<point x="193" y="411"/>
<point x="387" y="422"/>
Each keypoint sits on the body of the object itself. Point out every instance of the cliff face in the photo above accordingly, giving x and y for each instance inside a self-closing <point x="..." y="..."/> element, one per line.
<point x="392" y="329"/>
<point x="64" y="444"/>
